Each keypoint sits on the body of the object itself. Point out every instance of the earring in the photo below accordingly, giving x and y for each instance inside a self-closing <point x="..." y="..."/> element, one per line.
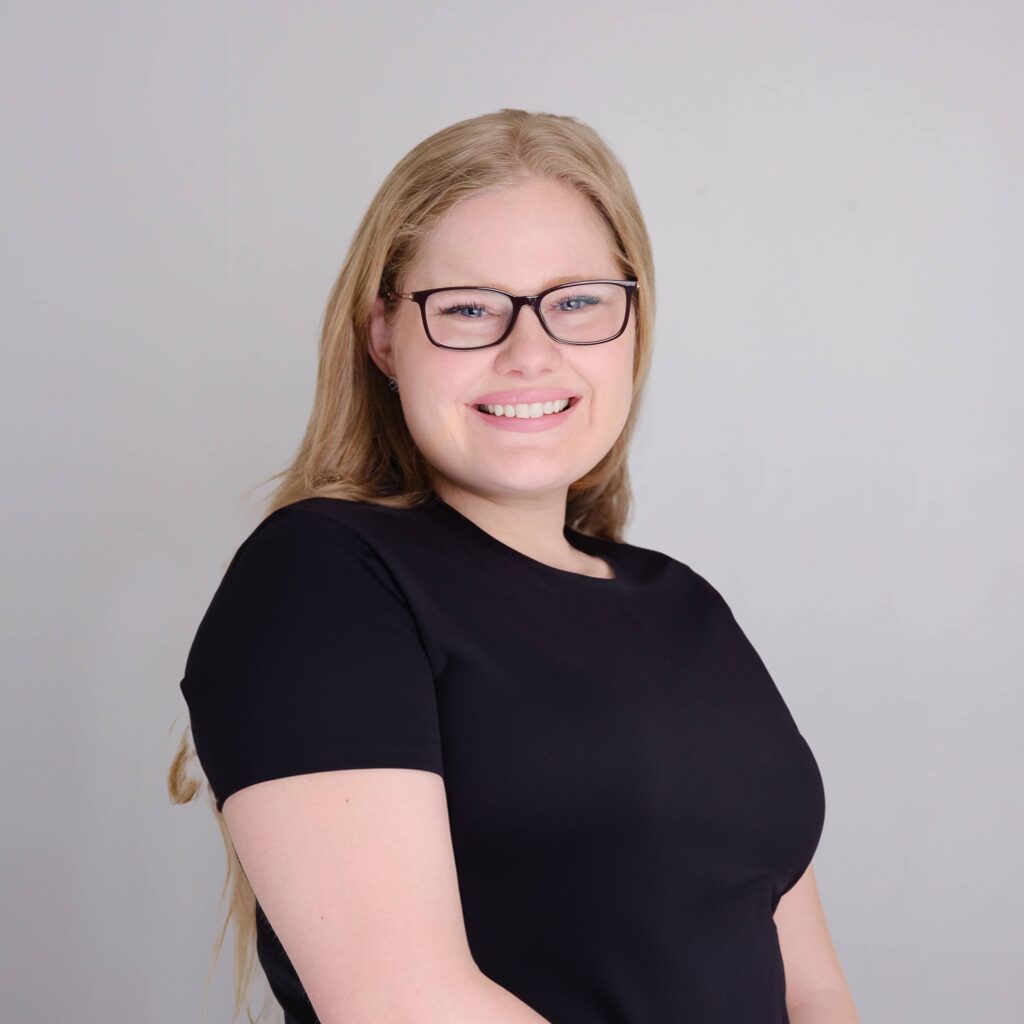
<point x="392" y="383"/>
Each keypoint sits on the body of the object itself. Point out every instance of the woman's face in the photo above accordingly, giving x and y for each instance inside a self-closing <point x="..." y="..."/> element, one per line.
<point x="520" y="240"/>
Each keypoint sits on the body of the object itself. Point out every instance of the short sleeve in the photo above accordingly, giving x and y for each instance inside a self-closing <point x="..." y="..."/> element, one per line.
<point x="308" y="659"/>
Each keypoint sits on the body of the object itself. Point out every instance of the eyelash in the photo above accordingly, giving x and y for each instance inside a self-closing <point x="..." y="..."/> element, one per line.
<point x="460" y="306"/>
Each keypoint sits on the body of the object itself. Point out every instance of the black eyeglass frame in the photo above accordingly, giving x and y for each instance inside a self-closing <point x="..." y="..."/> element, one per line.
<point x="518" y="301"/>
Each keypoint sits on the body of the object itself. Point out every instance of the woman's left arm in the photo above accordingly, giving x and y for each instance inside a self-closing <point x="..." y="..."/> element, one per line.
<point x="816" y="989"/>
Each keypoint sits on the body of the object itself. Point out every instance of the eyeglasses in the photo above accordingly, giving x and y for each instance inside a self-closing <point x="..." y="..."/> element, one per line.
<point x="578" y="313"/>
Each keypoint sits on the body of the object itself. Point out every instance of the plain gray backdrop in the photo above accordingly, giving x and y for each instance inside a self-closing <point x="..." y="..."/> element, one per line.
<point x="831" y="434"/>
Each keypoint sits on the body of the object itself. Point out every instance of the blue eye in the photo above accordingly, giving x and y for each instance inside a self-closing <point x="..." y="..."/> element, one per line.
<point x="591" y="300"/>
<point x="459" y="307"/>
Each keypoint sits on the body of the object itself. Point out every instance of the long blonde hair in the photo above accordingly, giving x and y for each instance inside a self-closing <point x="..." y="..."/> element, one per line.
<point x="356" y="445"/>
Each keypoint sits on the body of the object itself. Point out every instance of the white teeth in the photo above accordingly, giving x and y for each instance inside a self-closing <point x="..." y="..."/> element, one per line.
<point x="527" y="410"/>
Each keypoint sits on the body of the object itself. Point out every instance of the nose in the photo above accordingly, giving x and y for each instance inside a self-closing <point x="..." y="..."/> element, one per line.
<point x="528" y="331"/>
<point x="528" y="350"/>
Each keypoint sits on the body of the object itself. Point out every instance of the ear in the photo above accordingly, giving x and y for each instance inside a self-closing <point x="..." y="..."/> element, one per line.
<point x="378" y="341"/>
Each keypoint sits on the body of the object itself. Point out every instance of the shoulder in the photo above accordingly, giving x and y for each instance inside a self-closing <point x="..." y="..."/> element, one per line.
<point x="299" y="588"/>
<point x="304" y="563"/>
<point x="324" y="519"/>
<point x="311" y="529"/>
<point x="307" y="659"/>
<point x="651" y="564"/>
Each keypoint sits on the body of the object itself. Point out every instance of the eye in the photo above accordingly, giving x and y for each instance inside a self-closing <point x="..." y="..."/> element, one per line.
<point x="572" y="303"/>
<point x="471" y="308"/>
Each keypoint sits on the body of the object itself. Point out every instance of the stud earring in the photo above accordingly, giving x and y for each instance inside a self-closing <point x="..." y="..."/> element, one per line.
<point x="392" y="383"/>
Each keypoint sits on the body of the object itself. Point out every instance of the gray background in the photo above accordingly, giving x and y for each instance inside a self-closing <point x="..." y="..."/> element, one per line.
<point x="831" y="434"/>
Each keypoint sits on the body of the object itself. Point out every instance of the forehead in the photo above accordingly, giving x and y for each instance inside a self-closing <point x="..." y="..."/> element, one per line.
<point x="517" y="239"/>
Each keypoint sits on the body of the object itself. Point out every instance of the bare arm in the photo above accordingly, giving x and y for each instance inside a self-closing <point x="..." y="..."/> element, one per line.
<point x="356" y="873"/>
<point x="816" y="989"/>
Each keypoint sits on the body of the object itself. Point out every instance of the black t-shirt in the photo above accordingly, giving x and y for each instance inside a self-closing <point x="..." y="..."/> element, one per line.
<point x="629" y="796"/>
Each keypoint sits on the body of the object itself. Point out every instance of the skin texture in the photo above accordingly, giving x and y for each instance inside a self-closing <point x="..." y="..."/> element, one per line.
<point x="356" y="873"/>
<point x="816" y="989"/>
<point x="514" y="485"/>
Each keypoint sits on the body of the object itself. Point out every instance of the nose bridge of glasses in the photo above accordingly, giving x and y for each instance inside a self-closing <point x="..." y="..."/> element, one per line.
<point x="518" y="304"/>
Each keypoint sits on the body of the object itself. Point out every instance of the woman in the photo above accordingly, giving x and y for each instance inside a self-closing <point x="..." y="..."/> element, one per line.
<point x="479" y="759"/>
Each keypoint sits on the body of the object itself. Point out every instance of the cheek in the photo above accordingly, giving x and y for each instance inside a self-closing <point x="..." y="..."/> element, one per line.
<point x="617" y="376"/>
<point x="433" y="409"/>
<point x="434" y="376"/>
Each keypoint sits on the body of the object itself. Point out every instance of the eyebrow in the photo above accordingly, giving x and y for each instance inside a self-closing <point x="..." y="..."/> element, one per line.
<point x="550" y="283"/>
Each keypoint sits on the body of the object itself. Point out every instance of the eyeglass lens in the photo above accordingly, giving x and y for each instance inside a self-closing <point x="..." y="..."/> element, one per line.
<point x="580" y="314"/>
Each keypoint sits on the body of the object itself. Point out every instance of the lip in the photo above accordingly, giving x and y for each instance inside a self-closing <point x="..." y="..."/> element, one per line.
<point x="528" y="396"/>
<point x="526" y="425"/>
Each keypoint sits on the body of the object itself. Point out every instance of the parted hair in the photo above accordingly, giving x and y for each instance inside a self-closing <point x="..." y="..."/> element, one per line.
<point x="356" y="444"/>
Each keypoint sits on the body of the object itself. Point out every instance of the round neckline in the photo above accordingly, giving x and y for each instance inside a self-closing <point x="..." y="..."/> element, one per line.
<point x="580" y="541"/>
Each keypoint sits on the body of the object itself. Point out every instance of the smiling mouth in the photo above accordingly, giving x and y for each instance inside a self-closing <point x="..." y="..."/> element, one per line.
<point x="556" y="408"/>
